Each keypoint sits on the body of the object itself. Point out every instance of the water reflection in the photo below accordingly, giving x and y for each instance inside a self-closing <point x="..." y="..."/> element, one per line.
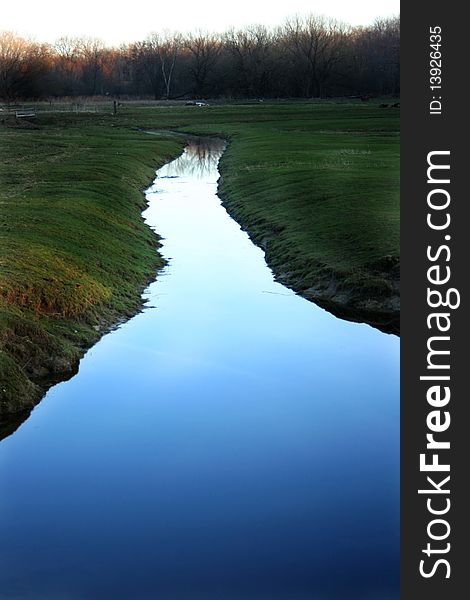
<point x="234" y="443"/>
<point x="199" y="160"/>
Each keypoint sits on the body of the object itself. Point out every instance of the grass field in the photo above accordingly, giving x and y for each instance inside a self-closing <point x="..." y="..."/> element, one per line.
<point x="316" y="184"/>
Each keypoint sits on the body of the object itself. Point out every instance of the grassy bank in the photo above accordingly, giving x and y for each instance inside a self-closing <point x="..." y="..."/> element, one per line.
<point x="315" y="184"/>
<point x="74" y="250"/>
<point x="318" y="189"/>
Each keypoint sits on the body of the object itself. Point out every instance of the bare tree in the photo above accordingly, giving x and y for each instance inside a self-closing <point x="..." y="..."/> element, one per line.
<point x="92" y="52"/>
<point x="22" y="63"/>
<point x="13" y="53"/>
<point x="68" y="63"/>
<point x="169" y="50"/>
<point x="68" y="49"/>
<point x="118" y="70"/>
<point x="308" y="56"/>
<point x="146" y="57"/>
<point x="373" y="57"/>
<point x="315" y="44"/>
<point x="251" y="50"/>
<point x="204" y="49"/>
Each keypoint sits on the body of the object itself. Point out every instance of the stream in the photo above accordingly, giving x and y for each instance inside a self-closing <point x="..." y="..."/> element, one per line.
<point x="233" y="441"/>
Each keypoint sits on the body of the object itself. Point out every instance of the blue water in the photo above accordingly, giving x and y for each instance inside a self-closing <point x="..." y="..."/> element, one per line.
<point x="231" y="442"/>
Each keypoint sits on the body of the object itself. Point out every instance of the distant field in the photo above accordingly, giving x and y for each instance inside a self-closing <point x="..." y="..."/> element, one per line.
<point x="315" y="183"/>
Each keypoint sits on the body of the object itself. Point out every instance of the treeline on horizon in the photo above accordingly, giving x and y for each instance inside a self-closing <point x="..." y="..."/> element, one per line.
<point x="306" y="57"/>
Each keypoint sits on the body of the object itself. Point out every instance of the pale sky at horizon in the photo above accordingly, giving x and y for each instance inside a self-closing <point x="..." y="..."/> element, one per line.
<point x="121" y="21"/>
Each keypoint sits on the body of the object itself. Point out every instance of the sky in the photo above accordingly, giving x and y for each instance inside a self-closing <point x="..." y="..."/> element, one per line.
<point x="120" y="21"/>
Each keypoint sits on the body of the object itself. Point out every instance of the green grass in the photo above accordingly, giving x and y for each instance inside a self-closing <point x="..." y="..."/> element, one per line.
<point x="74" y="250"/>
<point x="316" y="184"/>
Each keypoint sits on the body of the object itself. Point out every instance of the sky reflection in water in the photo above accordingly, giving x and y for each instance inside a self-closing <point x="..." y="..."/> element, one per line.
<point x="233" y="441"/>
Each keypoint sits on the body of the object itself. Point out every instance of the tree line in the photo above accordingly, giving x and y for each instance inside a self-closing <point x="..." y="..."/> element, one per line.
<point x="306" y="57"/>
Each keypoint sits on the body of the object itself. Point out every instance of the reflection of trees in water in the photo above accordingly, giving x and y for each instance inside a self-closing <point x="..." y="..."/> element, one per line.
<point x="200" y="158"/>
